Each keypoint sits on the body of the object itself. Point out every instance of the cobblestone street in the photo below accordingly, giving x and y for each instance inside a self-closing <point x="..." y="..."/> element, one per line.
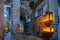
<point x="26" y="37"/>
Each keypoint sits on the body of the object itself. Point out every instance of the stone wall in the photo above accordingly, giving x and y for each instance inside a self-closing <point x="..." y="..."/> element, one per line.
<point x="15" y="19"/>
<point x="1" y="19"/>
<point x="53" y="7"/>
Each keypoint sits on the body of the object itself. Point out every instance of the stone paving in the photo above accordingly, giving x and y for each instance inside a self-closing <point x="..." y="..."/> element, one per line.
<point x="25" y="37"/>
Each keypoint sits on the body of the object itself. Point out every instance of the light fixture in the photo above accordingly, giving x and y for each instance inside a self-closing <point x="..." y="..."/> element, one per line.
<point x="5" y="15"/>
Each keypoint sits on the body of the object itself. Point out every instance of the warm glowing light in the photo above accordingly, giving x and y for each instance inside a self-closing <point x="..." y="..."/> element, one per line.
<point x="48" y="17"/>
<point x="51" y="16"/>
<point x="6" y="28"/>
<point x="44" y="22"/>
<point x="48" y="29"/>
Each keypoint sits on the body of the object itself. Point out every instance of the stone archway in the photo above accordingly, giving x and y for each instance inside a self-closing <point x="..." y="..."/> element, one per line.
<point x="24" y="16"/>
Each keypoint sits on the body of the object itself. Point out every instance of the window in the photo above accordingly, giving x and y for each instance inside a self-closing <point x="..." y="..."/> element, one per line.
<point x="40" y="11"/>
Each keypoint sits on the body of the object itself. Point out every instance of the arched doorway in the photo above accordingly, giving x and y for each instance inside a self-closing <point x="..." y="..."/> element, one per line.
<point x="24" y="16"/>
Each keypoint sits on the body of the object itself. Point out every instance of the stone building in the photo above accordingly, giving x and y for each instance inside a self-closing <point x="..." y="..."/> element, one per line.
<point x="26" y="9"/>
